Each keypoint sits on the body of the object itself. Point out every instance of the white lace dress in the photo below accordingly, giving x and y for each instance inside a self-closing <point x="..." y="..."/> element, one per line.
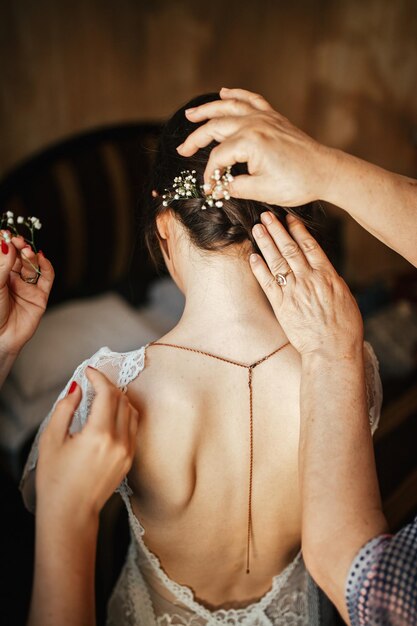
<point x="293" y="599"/>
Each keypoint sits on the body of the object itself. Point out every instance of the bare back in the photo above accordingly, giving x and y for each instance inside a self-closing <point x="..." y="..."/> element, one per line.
<point x="190" y="474"/>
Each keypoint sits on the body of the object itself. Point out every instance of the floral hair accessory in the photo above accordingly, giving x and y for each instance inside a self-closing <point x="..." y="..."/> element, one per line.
<point x="29" y="224"/>
<point x="185" y="187"/>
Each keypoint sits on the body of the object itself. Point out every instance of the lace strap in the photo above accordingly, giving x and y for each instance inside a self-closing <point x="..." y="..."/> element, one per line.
<point x="120" y="368"/>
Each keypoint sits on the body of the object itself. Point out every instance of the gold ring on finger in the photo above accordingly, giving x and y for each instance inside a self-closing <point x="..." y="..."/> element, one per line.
<point x="281" y="279"/>
<point x="31" y="280"/>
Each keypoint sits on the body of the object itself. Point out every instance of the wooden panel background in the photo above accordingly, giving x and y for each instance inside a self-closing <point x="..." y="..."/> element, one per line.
<point x="345" y="70"/>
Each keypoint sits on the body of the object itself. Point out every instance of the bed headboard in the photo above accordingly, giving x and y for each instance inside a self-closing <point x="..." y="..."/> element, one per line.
<point x="87" y="191"/>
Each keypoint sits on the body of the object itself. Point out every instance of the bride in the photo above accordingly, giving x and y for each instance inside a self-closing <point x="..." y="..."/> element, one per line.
<point x="212" y="496"/>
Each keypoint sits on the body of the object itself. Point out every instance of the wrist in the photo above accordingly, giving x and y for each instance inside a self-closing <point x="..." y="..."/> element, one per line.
<point x="9" y="347"/>
<point x="334" y="354"/>
<point x="330" y="160"/>
<point x="342" y="173"/>
<point x="67" y="516"/>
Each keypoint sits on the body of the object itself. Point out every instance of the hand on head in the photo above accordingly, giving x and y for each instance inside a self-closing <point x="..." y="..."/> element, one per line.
<point x="78" y="473"/>
<point x="313" y="303"/>
<point x="22" y="303"/>
<point x="286" y="167"/>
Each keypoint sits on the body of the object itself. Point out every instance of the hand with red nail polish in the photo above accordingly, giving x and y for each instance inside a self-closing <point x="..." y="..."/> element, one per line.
<point x="105" y="445"/>
<point x="25" y="283"/>
<point x="75" y="476"/>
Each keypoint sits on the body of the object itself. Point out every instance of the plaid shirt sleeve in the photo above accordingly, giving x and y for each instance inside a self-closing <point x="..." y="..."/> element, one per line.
<point x="381" y="586"/>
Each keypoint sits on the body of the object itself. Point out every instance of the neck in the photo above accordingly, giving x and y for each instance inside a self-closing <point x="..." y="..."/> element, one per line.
<point x="224" y="303"/>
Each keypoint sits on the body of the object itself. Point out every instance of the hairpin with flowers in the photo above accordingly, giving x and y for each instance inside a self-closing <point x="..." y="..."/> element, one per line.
<point x="185" y="187"/>
<point x="11" y="227"/>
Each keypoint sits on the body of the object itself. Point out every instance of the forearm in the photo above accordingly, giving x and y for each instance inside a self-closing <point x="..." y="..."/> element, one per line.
<point x="382" y="202"/>
<point x="63" y="589"/>
<point x="340" y="494"/>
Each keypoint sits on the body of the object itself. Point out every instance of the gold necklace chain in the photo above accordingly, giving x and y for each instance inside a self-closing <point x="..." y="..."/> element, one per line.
<point x="250" y="369"/>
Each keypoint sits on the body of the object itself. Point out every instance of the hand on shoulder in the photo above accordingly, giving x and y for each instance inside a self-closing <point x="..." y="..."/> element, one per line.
<point x="312" y="302"/>
<point x="77" y="473"/>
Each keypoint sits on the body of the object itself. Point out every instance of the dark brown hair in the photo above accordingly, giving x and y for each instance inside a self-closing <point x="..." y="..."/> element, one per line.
<point x="213" y="228"/>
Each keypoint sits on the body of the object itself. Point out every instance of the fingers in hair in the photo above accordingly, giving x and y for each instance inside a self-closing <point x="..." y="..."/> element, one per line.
<point x="219" y="108"/>
<point x="288" y="248"/>
<point x="273" y="257"/>
<point x="216" y="129"/>
<point x="309" y="246"/>
<point x="254" y="99"/>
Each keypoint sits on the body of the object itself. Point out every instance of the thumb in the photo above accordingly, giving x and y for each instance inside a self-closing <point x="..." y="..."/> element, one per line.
<point x="246" y="187"/>
<point x="62" y="415"/>
<point x="47" y="275"/>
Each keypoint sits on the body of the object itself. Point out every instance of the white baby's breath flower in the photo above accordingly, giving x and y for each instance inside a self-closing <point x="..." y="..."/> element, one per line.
<point x="20" y="219"/>
<point x="37" y="225"/>
<point x="10" y="220"/>
<point x="10" y="214"/>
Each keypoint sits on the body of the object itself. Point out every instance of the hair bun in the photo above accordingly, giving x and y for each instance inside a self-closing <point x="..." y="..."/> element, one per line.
<point x="212" y="227"/>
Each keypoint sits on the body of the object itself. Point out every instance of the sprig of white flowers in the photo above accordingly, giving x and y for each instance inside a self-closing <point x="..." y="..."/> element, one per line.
<point x="9" y="222"/>
<point x="9" y="226"/>
<point x="185" y="187"/>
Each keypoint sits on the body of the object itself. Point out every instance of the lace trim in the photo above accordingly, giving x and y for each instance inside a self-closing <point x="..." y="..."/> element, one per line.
<point x="131" y="367"/>
<point x="130" y="604"/>
<point x="186" y="595"/>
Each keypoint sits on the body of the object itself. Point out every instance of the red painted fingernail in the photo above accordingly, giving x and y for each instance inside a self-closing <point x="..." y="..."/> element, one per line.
<point x="4" y="247"/>
<point x="73" y="387"/>
<point x="27" y="246"/>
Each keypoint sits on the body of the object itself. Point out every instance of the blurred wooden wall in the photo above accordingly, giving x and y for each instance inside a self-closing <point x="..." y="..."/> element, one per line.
<point x="344" y="70"/>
